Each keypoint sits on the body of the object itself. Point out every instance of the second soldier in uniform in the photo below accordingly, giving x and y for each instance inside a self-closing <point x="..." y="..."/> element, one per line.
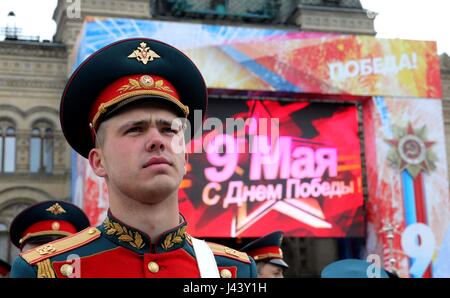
<point x="268" y="255"/>
<point x="46" y="221"/>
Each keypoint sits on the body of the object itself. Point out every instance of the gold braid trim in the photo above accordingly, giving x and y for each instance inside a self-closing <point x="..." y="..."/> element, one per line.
<point x="267" y="256"/>
<point x="45" y="269"/>
<point x="104" y="106"/>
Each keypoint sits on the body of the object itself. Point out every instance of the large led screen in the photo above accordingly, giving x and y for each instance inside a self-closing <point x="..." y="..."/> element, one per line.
<point x="259" y="165"/>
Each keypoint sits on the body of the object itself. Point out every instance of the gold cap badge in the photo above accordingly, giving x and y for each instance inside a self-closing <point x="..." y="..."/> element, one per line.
<point x="144" y="54"/>
<point x="56" y="209"/>
<point x="55" y="226"/>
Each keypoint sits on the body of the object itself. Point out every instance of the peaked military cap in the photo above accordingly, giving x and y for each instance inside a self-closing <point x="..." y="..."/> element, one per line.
<point x="5" y="268"/>
<point x="350" y="268"/>
<point x="49" y="218"/>
<point x="122" y="72"/>
<point x="267" y="249"/>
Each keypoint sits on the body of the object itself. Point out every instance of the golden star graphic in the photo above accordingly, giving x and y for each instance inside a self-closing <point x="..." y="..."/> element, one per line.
<point x="306" y="211"/>
<point x="411" y="150"/>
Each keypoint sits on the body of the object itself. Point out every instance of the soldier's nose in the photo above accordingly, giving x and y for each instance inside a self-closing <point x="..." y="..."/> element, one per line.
<point x="155" y="144"/>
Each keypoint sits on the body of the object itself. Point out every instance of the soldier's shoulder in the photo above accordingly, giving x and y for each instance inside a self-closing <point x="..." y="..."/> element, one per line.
<point x="21" y="269"/>
<point x="60" y="246"/>
<point x="233" y="263"/>
<point x="227" y="252"/>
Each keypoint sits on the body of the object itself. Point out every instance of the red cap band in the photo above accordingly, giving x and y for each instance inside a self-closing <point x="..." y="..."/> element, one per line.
<point x="268" y="252"/>
<point x="132" y="86"/>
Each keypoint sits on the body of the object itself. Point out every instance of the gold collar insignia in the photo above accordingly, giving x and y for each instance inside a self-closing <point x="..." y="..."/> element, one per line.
<point x="124" y="234"/>
<point x="174" y="238"/>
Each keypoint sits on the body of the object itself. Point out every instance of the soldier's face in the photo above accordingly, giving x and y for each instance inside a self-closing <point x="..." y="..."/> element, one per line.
<point x="270" y="271"/>
<point x="142" y="156"/>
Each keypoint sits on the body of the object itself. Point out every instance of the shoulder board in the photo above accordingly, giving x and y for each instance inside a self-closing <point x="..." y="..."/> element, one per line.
<point x="60" y="246"/>
<point x="225" y="251"/>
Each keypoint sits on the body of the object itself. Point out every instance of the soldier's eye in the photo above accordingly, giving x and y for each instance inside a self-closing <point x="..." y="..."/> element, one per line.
<point x="133" y="129"/>
<point x="169" y="130"/>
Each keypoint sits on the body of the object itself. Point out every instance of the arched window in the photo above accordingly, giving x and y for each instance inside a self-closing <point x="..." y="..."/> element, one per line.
<point x="8" y="251"/>
<point x="35" y="150"/>
<point x="48" y="150"/>
<point x="41" y="149"/>
<point x="7" y="147"/>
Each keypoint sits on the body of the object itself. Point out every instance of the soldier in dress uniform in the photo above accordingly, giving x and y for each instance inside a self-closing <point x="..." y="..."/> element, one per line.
<point x="5" y="268"/>
<point x="124" y="109"/>
<point x="267" y="253"/>
<point x="46" y="221"/>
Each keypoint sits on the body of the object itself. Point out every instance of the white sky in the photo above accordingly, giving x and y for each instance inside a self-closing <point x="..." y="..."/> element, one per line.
<point x="33" y="16"/>
<point x="413" y="19"/>
<point x="405" y="19"/>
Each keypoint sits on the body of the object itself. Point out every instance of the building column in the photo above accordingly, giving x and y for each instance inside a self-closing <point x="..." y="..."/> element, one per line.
<point x="23" y="151"/>
<point x="60" y="153"/>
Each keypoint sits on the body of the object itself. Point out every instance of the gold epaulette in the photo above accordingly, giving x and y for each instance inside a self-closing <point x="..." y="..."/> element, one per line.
<point x="59" y="246"/>
<point x="45" y="269"/>
<point x="222" y="250"/>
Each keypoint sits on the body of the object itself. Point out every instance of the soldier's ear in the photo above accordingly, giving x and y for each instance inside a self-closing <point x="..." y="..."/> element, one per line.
<point x="96" y="162"/>
<point x="186" y="162"/>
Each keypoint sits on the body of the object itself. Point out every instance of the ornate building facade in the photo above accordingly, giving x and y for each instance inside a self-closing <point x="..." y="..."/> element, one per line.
<point x="35" y="158"/>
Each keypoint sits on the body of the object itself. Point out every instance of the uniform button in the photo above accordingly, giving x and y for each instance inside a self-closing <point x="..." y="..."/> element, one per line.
<point x="66" y="269"/>
<point x="225" y="273"/>
<point x="153" y="267"/>
<point x="91" y="231"/>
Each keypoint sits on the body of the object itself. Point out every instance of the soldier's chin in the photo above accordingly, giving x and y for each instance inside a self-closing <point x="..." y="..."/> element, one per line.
<point x="157" y="192"/>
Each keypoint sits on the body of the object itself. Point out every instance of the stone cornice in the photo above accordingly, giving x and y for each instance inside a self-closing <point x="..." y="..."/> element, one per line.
<point x="33" y="49"/>
<point x="33" y="110"/>
<point x="331" y="8"/>
<point x="325" y="22"/>
<point x="110" y="8"/>
<point x="51" y="84"/>
<point x="19" y="178"/>
<point x="15" y="181"/>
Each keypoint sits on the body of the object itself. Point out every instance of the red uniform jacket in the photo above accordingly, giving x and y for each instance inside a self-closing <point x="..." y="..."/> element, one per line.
<point x="114" y="249"/>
